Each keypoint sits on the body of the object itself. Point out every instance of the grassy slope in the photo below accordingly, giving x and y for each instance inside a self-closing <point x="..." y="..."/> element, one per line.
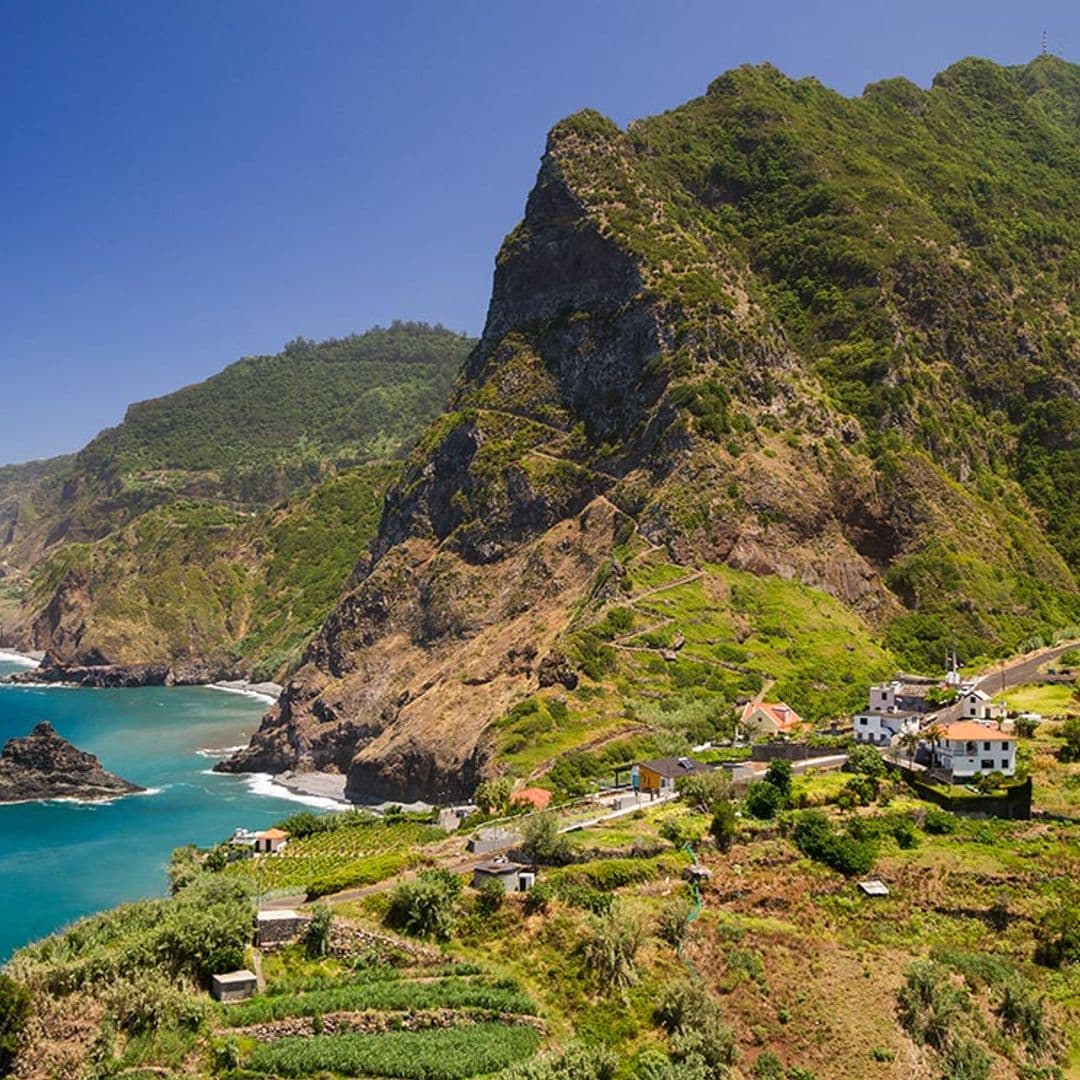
<point x="223" y="521"/>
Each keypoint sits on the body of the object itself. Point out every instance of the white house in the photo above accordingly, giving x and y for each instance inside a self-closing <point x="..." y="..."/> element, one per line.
<point x="969" y="747"/>
<point x="901" y="695"/>
<point x="978" y="706"/>
<point x="880" y="727"/>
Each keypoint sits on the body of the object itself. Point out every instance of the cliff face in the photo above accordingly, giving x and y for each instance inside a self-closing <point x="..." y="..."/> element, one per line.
<point x="722" y="347"/>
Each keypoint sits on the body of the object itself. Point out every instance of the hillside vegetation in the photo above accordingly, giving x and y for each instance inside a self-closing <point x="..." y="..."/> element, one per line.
<point x="826" y="343"/>
<point x="216" y="526"/>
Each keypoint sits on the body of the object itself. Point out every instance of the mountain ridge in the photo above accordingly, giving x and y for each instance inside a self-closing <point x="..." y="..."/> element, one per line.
<point x="730" y="336"/>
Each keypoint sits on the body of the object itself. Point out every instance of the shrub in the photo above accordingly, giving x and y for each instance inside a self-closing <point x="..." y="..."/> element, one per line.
<point x="1070" y="732"/>
<point x="675" y="920"/>
<point x="428" y="906"/>
<point x="779" y="775"/>
<point x="858" y="791"/>
<point x="493" y="796"/>
<point x="1024" y="1012"/>
<point x="576" y="1062"/>
<point x="542" y="842"/>
<point x="939" y="822"/>
<point x="723" y="826"/>
<point x="865" y="760"/>
<point x="317" y="938"/>
<point x="1025" y="726"/>
<point x="814" y="837"/>
<point x="539" y="897"/>
<point x="611" y="947"/>
<point x="763" y="800"/>
<point x="966" y="1060"/>
<point x="768" y="1066"/>
<point x="1058" y="936"/>
<point x="693" y="1018"/>
<point x="703" y="790"/>
<point x="930" y="1007"/>
<point x="14" y="1013"/>
<point x="490" y="896"/>
<point x="151" y="1002"/>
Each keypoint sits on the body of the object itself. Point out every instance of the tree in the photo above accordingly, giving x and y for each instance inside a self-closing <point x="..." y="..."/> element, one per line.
<point x="185" y="865"/>
<point x="865" y="760"/>
<point x="779" y="775"/>
<point x="542" y="842"/>
<point x="317" y="938"/>
<point x="1025" y="726"/>
<point x="490" y="896"/>
<point x="492" y="796"/>
<point x="703" y="790"/>
<point x="14" y="1013"/>
<point x="763" y="800"/>
<point x="1070" y="732"/>
<point x="909" y="742"/>
<point x="933" y="735"/>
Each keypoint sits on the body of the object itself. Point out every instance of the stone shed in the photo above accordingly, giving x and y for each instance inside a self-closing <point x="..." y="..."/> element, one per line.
<point x="233" y="985"/>
<point x="276" y="928"/>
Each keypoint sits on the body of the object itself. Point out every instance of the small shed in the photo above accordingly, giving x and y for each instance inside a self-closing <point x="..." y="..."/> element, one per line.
<point x="874" y="888"/>
<point x="511" y="875"/>
<point x="271" y="840"/>
<point x="233" y="985"/>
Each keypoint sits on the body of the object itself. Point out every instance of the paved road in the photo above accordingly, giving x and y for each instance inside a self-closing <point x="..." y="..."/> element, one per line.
<point x="1016" y="672"/>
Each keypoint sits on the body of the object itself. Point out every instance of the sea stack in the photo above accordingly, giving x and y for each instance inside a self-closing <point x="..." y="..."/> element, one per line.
<point x="42" y="765"/>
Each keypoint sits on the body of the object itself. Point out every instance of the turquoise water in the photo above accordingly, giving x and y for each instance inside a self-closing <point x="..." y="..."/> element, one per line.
<point x="61" y="860"/>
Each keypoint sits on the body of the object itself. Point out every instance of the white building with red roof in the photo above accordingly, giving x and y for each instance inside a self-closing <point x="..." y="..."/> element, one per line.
<point x="968" y="747"/>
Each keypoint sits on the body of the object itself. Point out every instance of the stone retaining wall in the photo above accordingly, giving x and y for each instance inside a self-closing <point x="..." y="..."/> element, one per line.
<point x="372" y="1021"/>
<point x="351" y="941"/>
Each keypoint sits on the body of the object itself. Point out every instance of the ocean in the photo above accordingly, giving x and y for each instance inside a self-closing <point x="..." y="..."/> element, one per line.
<point x="62" y="860"/>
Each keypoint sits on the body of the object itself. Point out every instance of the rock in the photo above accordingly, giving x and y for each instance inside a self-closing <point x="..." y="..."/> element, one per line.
<point x="556" y="668"/>
<point x="42" y="765"/>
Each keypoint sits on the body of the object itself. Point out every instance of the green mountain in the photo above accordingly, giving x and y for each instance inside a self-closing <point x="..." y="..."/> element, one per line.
<point x="775" y="385"/>
<point x="216" y="526"/>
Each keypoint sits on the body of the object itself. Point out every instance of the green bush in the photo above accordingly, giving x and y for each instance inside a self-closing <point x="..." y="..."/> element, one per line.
<point x="779" y="775"/>
<point x="724" y="825"/>
<point x="1057" y="938"/>
<point x="763" y="800"/>
<point x="611" y="946"/>
<point x="939" y="822"/>
<point x="865" y="760"/>
<point x="673" y="924"/>
<point x="814" y="837"/>
<point x="14" y="1012"/>
<point x="703" y="790"/>
<point x="577" y="1061"/>
<point x="542" y="842"/>
<point x="1070" y="732"/>
<point x="693" y="1019"/>
<point x="317" y="938"/>
<point x="490" y="895"/>
<point x="428" y="906"/>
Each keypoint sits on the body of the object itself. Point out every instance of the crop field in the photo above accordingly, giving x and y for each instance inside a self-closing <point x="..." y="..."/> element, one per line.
<point x="433" y="1054"/>
<point x="489" y="1024"/>
<point x="359" y="855"/>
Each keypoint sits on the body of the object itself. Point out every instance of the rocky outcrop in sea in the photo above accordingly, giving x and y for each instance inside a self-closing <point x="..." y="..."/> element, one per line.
<point x="43" y="765"/>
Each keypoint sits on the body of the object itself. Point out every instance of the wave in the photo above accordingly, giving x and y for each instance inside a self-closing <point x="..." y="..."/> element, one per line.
<point x="219" y="751"/>
<point x="9" y="656"/>
<point x="82" y="804"/>
<point x="264" y="784"/>
<point x="243" y="692"/>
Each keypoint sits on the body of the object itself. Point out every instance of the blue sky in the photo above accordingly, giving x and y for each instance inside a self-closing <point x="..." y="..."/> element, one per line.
<point x="185" y="183"/>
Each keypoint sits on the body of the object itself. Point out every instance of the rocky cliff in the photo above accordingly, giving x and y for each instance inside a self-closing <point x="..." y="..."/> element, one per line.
<point x="743" y="342"/>
<point x="42" y="765"/>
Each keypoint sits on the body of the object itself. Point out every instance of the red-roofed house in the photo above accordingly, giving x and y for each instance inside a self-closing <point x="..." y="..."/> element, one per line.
<point x="769" y="718"/>
<point x="968" y="747"/>
<point x="536" y="797"/>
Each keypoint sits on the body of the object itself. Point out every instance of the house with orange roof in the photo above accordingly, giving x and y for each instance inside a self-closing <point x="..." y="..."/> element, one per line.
<point x="271" y="841"/>
<point x="769" y="718"/>
<point x="970" y="747"/>
<point x="535" y="798"/>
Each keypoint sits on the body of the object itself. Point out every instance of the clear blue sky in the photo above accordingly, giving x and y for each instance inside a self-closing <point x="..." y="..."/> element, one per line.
<point x="184" y="183"/>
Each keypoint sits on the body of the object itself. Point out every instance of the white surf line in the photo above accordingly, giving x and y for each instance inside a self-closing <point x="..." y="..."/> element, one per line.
<point x="9" y="656"/>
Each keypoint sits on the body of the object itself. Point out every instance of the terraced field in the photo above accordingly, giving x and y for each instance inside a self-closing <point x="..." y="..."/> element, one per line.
<point x="326" y="862"/>
<point x="448" y="1025"/>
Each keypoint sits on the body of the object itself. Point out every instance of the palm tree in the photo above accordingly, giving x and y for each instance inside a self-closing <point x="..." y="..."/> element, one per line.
<point x="909" y="741"/>
<point x="934" y="734"/>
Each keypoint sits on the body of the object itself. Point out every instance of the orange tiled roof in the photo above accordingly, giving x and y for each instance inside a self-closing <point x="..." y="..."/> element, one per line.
<point x="971" y="730"/>
<point x="535" y="796"/>
<point x="273" y="834"/>
<point x="784" y="716"/>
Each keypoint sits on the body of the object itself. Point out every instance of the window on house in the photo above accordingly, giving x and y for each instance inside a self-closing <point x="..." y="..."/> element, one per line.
<point x="863" y="721"/>
<point x="986" y="746"/>
<point x="986" y="763"/>
<point x="1004" y="766"/>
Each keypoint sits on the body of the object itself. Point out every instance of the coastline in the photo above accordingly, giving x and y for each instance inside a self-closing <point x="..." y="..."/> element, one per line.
<point x="24" y="659"/>
<point x="263" y="691"/>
